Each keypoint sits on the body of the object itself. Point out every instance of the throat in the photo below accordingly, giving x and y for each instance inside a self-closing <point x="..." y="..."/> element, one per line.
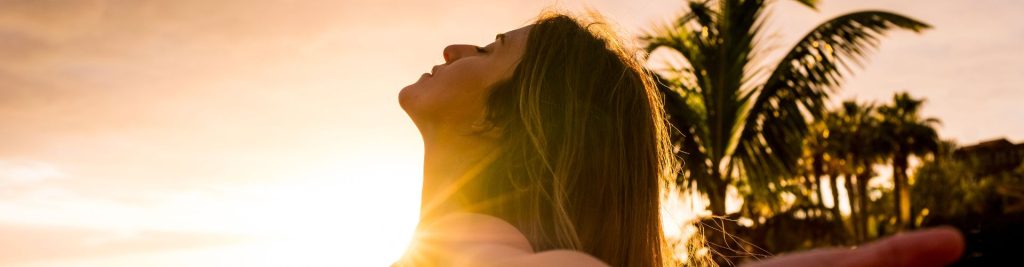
<point x="448" y="166"/>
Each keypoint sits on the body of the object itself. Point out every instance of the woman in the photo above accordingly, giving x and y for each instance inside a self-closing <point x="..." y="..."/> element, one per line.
<point x="546" y="148"/>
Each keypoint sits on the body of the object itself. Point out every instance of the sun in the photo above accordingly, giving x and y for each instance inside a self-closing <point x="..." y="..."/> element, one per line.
<point x="327" y="221"/>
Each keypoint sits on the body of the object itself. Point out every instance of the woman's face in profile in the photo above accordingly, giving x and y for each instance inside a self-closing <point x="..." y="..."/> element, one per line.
<point x="454" y="94"/>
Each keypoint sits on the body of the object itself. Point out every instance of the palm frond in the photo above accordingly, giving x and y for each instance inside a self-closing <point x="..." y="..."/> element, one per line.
<point x="816" y="64"/>
<point x="813" y="4"/>
<point x="801" y="83"/>
<point x="684" y="117"/>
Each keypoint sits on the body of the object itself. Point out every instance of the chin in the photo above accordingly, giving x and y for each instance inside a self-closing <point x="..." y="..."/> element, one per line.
<point x="410" y="98"/>
<point x="404" y="97"/>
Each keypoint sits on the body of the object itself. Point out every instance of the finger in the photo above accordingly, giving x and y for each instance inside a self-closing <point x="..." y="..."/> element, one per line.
<point x="934" y="247"/>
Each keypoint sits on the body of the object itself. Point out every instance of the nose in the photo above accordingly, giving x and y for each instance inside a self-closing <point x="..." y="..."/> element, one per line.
<point x="455" y="52"/>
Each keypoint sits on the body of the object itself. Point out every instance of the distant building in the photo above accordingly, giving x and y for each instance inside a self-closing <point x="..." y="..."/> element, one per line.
<point x="993" y="156"/>
<point x="992" y="234"/>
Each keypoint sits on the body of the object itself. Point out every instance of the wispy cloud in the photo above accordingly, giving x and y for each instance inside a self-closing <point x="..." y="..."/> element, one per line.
<point x="14" y="174"/>
<point x="32" y="243"/>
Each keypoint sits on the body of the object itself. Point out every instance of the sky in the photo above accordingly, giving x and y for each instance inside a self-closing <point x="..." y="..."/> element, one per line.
<point x="267" y="133"/>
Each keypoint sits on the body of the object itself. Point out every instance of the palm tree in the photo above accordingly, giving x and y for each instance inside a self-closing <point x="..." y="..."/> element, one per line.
<point x="855" y="134"/>
<point x="816" y="149"/>
<point x="736" y="124"/>
<point x="824" y="159"/>
<point x="906" y="134"/>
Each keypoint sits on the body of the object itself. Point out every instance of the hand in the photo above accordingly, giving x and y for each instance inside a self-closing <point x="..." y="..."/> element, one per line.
<point x="933" y="247"/>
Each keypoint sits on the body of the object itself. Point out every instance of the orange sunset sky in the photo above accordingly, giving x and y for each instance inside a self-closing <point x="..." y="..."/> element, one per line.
<point x="267" y="133"/>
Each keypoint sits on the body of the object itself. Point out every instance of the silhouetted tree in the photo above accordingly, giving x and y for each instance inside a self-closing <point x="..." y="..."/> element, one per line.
<point x="905" y="133"/>
<point x="737" y="125"/>
<point x="857" y="141"/>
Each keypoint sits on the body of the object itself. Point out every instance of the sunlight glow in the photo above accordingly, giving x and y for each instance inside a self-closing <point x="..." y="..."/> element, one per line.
<point x="303" y="225"/>
<point x="311" y="219"/>
<point x="151" y="133"/>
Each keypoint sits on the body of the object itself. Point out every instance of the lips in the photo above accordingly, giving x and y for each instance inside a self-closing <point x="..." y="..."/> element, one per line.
<point x="434" y="70"/>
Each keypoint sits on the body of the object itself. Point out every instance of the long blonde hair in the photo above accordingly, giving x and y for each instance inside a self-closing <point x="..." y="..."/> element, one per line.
<point x="584" y="146"/>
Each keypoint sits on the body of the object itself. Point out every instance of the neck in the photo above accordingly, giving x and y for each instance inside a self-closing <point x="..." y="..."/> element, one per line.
<point x="449" y="163"/>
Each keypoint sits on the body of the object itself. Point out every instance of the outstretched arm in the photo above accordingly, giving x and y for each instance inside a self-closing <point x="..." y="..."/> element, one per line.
<point x="934" y="247"/>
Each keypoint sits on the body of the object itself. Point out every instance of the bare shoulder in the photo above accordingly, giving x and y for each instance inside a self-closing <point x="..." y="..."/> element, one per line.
<point x="469" y="239"/>
<point x="457" y="237"/>
<point x="551" y="258"/>
<point x="470" y="229"/>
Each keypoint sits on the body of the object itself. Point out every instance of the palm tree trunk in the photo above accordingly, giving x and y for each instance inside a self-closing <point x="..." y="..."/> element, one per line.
<point x="902" y="193"/>
<point x="837" y="216"/>
<point x="833" y="179"/>
<point x="717" y="237"/>
<point x="862" y="200"/>
<point x="818" y="166"/>
<point x="717" y="194"/>
<point x="851" y="196"/>
<point x="897" y="197"/>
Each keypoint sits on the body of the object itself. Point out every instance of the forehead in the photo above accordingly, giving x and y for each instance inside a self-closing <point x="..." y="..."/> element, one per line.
<point x="521" y="32"/>
<point x="518" y="36"/>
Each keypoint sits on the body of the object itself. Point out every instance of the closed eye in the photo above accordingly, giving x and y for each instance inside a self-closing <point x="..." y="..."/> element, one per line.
<point x="481" y="50"/>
